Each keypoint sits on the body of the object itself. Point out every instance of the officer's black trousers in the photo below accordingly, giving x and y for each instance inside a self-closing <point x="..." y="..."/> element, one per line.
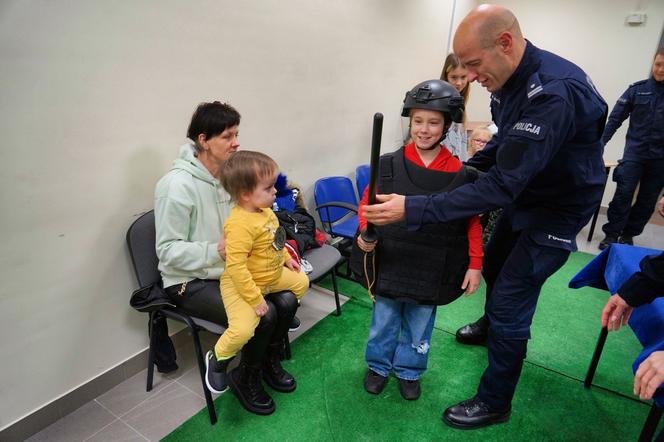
<point x="623" y="217"/>
<point x="516" y="267"/>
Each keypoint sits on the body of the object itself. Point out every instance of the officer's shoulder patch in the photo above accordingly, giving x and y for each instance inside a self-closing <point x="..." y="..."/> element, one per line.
<point x="529" y="128"/>
<point x="534" y="86"/>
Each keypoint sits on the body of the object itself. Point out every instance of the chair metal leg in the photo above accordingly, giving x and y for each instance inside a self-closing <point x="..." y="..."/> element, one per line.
<point x="152" y="318"/>
<point x="649" y="427"/>
<point x="591" y="232"/>
<point x="201" y="367"/>
<point x="596" y="355"/>
<point x="596" y="214"/>
<point x="287" y="349"/>
<point x="336" y="290"/>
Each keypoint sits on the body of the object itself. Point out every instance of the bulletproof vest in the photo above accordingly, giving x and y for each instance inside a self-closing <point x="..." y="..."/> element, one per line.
<point x="426" y="266"/>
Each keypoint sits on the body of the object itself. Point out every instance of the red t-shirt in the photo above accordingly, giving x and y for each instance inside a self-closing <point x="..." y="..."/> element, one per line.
<point x="443" y="162"/>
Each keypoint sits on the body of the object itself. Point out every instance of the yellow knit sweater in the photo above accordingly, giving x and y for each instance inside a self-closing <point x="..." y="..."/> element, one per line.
<point x="252" y="262"/>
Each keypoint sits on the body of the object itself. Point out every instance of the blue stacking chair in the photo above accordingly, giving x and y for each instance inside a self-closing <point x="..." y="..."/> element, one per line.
<point x="361" y="179"/>
<point x="336" y="205"/>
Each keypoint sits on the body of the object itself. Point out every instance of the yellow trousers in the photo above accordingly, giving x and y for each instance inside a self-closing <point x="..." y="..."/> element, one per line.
<point x="242" y="317"/>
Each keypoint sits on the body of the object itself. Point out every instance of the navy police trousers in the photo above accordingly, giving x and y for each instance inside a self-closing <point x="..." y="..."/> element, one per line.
<point x="623" y="217"/>
<point x="515" y="268"/>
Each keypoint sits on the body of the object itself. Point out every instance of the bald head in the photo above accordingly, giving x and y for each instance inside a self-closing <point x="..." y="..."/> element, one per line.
<point x="490" y="36"/>
<point x="488" y="22"/>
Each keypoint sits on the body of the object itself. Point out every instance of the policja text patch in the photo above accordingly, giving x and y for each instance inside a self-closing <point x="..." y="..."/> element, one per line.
<point x="529" y="129"/>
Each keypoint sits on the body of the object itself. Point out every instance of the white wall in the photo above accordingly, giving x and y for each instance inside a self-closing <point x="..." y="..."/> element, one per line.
<point x="592" y="34"/>
<point x="95" y="98"/>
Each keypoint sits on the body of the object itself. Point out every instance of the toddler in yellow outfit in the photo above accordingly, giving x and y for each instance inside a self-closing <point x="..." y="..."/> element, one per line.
<point x="257" y="264"/>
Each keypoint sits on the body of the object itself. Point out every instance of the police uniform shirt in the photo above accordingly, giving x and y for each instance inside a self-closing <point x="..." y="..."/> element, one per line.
<point x="643" y="103"/>
<point x="546" y="160"/>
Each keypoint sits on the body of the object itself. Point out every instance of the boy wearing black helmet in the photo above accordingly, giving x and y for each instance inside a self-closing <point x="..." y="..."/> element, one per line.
<point x="413" y="272"/>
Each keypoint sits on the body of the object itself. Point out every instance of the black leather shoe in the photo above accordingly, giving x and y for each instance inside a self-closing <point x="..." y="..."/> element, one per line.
<point x="274" y="374"/>
<point x="626" y="239"/>
<point x="474" y="333"/>
<point x="246" y="383"/>
<point x="608" y="239"/>
<point x="473" y="413"/>
<point x="374" y="383"/>
<point x="410" y="390"/>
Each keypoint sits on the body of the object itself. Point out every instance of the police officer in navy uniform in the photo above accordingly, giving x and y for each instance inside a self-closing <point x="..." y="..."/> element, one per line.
<point x="544" y="168"/>
<point x="642" y="163"/>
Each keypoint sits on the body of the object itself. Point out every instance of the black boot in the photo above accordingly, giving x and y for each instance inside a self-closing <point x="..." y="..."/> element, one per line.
<point x="274" y="374"/>
<point x="474" y="333"/>
<point x="246" y="383"/>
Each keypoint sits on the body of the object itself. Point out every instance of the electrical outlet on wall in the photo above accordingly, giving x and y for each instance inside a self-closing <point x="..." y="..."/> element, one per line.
<point x="636" y="18"/>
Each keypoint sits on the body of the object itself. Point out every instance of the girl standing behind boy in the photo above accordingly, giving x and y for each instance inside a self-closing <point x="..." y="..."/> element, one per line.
<point x="456" y="74"/>
<point x="255" y="261"/>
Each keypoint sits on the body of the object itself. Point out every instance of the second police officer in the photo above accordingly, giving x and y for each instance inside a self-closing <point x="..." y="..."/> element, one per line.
<point x="642" y="163"/>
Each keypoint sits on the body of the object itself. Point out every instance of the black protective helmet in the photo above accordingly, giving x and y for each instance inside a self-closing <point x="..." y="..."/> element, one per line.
<point x="436" y="95"/>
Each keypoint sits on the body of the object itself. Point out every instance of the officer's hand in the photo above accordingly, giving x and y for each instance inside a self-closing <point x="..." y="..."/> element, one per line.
<point x="660" y="206"/>
<point x="615" y="312"/>
<point x="366" y="246"/>
<point x="471" y="281"/>
<point x="392" y="208"/>
<point x="650" y="375"/>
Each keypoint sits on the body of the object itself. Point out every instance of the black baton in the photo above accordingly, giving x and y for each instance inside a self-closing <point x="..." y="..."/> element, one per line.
<point x="369" y="234"/>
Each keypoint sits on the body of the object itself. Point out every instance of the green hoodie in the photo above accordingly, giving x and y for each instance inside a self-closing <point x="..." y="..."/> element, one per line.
<point x="190" y="208"/>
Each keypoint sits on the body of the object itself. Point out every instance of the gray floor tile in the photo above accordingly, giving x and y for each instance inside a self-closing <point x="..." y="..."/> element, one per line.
<point x="652" y="236"/>
<point x="76" y="426"/>
<point x="91" y="390"/>
<point x="192" y="381"/>
<point x="186" y="359"/>
<point x="131" y="392"/>
<point x="117" y="431"/>
<point x="208" y="339"/>
<point x="162" y="413"/>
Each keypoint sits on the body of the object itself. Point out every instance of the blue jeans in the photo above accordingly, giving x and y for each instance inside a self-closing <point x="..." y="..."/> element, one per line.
<point x="399" y="338"/>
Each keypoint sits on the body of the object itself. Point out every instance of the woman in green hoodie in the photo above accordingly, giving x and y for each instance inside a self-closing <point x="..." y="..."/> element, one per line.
<point x="190" y="209"/>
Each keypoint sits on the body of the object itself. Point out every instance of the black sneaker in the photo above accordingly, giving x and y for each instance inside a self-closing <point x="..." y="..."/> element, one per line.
<point x="608" y="239"/>
<point x="626" y="239"/>
<point x="295" y="324"/>
<point x="215" y="373"/>
<point x="410" y="390"/>
<point x="374" y="383"/>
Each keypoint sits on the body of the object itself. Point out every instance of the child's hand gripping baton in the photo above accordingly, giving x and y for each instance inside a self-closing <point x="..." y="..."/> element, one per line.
<point x="369" y="234"/>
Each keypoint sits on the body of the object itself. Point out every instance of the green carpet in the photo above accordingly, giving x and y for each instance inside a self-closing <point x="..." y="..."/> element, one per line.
<point x="550" y="402"/>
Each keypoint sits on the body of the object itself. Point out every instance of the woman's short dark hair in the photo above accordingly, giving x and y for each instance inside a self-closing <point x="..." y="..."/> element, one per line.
<point x="211" y="119"/>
